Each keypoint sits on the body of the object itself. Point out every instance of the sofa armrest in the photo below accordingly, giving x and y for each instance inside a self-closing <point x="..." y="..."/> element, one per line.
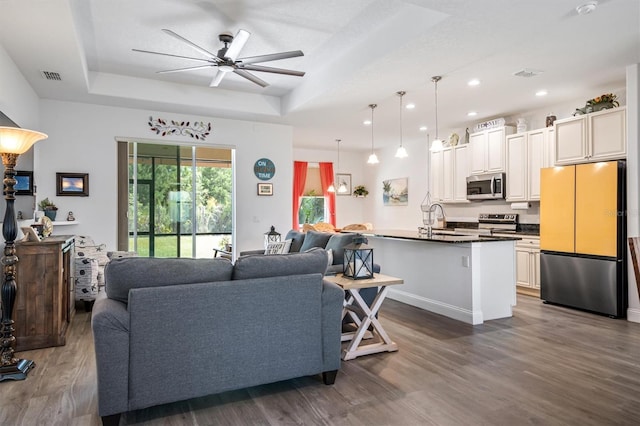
<point x="110" y="325"/>
<point x="332" y="303"/>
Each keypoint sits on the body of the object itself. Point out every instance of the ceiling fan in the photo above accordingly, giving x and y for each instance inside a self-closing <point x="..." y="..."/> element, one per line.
<point x="227" y="59"/>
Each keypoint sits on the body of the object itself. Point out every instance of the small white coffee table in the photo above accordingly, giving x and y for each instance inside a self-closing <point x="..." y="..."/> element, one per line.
<point x="364" y="315"/>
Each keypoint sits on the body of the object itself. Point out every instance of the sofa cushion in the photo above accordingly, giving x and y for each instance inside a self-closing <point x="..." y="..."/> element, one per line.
<point x="126" y="273"/>
<point x="337" y="243"/>
<point x="257" y="266"/>
<point x="297" y="238"/>
<point x="315" y="239"/>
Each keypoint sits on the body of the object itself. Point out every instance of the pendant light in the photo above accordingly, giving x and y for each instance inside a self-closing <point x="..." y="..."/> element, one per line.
<point x="373" y="158"/>
<point x="436" y="145"/>
<point x="332" y="187"/>
<point x="342" y="186"/>
<point x="401" y="152"/>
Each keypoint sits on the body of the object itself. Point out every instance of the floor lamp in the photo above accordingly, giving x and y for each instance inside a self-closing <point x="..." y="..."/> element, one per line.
<point x="13" y="142"/>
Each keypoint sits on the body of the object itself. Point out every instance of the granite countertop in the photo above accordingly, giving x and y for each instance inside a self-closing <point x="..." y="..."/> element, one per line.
<point x="436" y="237"/>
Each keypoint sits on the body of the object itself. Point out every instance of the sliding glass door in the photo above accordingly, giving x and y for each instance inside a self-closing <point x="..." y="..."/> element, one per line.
<point x="180" y="200"/>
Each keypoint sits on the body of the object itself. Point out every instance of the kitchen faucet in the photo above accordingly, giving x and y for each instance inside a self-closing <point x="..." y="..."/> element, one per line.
<point x="429" y="218"/>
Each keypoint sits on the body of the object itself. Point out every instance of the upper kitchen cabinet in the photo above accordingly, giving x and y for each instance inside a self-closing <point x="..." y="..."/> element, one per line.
<point x="591" y="137"/>
<point x="488" y="150"/>
<point x="527" y="153"/>
<point x="449" y="171"/>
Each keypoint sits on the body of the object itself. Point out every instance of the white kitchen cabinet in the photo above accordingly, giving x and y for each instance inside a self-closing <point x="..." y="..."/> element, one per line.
<point x="460" y="172"/>
<point x="591" y="137"/>
<point x="449" y="171"/>
<point x="488" y="150"/>
<point x="525" y="157"/>
<point x="517" y="180"/>
<point x="528" y="263"/>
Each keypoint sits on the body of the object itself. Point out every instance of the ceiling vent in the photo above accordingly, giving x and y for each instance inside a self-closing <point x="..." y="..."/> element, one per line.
<point x="51" y="75"/>
<point x="527" y="72"/>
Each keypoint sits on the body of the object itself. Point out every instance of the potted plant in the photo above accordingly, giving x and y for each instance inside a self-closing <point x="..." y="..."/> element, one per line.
<point x="49" y="208"/>
<point x="360" y="191"/>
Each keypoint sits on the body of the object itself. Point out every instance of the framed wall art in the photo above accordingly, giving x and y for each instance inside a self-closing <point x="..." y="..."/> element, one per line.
<point x="76" y="184"/>
<point x="343" y="179"/>
<point x="265" y="189"/>
<point x="395" y="192"/>
<point x="24" y="183"/>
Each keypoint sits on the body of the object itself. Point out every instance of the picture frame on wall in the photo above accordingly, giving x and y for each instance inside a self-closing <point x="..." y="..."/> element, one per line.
<point x="24" y="183"/>
<point x="73" y="184"/>
<point x="343" y="179"/>
<point x="265" y="189"/>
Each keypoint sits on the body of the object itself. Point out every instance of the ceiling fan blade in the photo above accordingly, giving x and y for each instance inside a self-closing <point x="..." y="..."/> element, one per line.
<point x="271" y="69"/>
<point x="174" y="56"/>
<point x="271" y="57"/>
<point x="217" y="78"/>
<point x="237" y="44"/>
<point x="192" y="45"/>
<point x="251" y="77"/>
<point x="199" y="67"/>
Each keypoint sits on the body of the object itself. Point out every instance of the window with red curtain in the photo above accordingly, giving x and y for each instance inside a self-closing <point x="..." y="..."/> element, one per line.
<point x="326" y="180"/>
<point x="299" y="180"/>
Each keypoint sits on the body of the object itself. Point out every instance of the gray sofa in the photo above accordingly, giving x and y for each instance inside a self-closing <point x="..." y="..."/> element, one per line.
<point x="174" y="329"/>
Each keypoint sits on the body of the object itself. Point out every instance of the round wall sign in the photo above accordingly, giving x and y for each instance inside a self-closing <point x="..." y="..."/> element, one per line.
<point x="264" y="169"/>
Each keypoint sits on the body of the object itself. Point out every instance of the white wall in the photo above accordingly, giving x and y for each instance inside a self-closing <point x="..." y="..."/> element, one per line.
<point x="20" y="103"/>
<point x="82" y="139"/>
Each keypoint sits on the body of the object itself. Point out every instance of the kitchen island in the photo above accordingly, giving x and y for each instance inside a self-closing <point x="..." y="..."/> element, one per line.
<point x="470" y="278"/>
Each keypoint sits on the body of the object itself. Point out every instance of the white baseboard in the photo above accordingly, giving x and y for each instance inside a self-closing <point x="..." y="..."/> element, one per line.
<point x="633" y="315"/>
<point x="435" y="306"/>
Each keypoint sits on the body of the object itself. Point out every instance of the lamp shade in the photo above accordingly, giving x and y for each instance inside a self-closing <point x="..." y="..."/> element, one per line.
<point x="14" y="140"/>
<point x="358" y="259"/>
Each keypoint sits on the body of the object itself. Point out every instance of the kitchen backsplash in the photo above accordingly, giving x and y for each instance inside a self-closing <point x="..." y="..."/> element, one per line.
<point x="468" y="212"/>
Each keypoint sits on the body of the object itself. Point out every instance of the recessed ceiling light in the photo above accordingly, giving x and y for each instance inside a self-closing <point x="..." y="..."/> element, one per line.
<point x="423" y="128"/>
<point x="587" y="8"/>
<point x="474" y="82"/>
<point x="541" y="93"/>
<point x="410" y="106"/>
<point x="472" y="113"/>
<point x="366" y="122"/>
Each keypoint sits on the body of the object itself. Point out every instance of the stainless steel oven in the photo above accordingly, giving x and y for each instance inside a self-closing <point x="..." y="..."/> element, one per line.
<point x="486" y="187"/>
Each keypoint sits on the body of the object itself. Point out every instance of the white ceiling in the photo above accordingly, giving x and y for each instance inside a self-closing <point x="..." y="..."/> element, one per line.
<point x="357" y="52"/>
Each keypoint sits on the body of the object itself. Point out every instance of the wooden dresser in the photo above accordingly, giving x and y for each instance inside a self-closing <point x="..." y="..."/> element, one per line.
<point x="45" y="302"/>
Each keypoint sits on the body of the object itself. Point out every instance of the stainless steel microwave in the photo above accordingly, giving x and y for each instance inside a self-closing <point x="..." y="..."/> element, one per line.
<point x="486" y="187"/>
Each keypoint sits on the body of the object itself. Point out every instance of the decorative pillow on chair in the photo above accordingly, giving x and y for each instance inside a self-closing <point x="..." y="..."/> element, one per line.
<point x="279" y="247"/>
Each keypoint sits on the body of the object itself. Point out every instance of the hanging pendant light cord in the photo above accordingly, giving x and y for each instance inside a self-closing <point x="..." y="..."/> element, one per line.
<point x="401" y="95"/>
<point x="436" y="79"/>
<point x="372" y="106"/>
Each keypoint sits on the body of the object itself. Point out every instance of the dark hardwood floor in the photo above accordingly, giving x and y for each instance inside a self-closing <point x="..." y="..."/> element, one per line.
<point x="547" y="365"/>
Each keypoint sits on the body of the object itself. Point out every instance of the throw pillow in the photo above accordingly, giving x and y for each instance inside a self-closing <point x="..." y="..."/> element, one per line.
<point x="279" y="247"/>
<point x="315" y="239"/>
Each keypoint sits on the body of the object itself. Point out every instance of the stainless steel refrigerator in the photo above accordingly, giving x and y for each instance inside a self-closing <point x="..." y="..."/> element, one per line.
<point x="583" y="237"/>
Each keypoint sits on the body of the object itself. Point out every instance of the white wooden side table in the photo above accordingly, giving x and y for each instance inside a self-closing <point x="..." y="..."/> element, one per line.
<point x="365" y="315"/>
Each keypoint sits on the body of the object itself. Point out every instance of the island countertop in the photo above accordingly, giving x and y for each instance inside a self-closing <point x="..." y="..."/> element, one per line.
<point x="435" y="237"/>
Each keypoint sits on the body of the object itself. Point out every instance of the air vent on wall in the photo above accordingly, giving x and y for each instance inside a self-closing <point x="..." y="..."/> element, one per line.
<point x="51" y="75"/>
<point x="527" y="72"/>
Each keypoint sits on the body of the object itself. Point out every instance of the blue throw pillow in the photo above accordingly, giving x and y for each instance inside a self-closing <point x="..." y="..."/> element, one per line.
<point x="337" y="243"/>
<point x="315" y="239"/>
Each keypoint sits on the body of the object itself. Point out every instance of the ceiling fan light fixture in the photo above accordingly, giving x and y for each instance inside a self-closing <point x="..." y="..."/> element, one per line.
<point x="225" y="68"/>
